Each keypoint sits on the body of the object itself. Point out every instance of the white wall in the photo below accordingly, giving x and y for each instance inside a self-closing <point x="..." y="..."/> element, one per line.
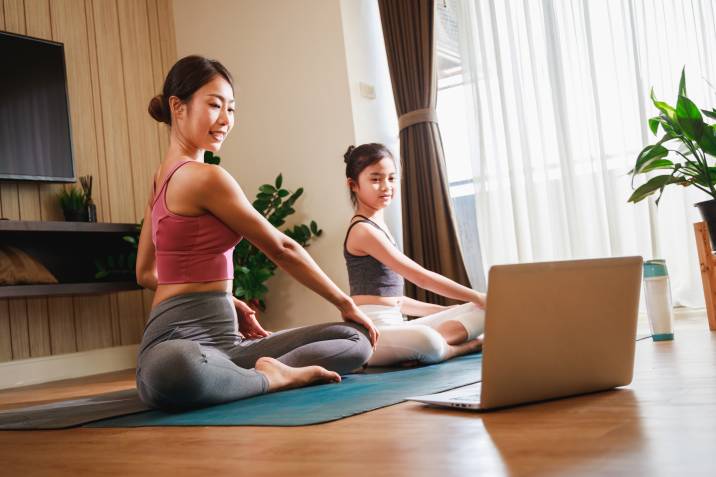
<point x="294" y="115"/>
<point x="374" y="120"/>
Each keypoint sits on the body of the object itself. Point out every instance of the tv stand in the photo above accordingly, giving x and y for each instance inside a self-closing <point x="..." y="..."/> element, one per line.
<point x="68" y="250"/>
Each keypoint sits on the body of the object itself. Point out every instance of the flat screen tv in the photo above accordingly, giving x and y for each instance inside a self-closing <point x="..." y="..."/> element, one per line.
<point x="35" y="140"/>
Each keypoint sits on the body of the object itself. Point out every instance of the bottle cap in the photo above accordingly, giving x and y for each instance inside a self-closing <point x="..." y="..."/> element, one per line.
<point x="655" y="268"/>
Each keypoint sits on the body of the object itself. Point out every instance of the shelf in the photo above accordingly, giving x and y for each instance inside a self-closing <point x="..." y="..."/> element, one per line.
<point x="50" y="226"/>
<point x="69" y="251"/>
<point x="18" y="291"/>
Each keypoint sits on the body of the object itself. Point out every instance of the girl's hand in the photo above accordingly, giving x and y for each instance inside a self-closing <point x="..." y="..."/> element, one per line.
<point x="356" y="316"/>
<point x="480" y="300"/>
<point x="249" y="326"/>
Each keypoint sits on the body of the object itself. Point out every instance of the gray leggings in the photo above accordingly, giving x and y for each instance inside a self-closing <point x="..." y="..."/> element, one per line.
<point x="192" y="354"/>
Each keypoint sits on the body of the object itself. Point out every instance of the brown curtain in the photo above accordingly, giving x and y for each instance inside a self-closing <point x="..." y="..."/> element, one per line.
<point x="429" y="233"/>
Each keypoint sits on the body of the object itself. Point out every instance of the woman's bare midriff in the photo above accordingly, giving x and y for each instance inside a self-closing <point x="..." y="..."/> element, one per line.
<point x="173" y="289"/>
<point x="377" y="300"/>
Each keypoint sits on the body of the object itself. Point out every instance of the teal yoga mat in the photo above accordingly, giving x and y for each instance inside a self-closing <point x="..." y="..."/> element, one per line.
<point x="357" y="393"/>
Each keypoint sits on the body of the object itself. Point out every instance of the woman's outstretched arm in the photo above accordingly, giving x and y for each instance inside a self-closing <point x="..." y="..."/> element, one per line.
<point x="221" y="195"/>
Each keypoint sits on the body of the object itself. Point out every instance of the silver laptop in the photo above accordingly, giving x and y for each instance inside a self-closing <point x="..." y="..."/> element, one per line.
<point x="552" y="330"/>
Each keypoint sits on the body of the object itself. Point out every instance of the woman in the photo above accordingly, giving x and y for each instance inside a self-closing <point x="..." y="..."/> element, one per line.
<point x="377" y="269"/>
<point x="193" y="352"/>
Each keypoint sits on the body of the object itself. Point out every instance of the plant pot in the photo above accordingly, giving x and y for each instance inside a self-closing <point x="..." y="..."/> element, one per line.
<point x="76" y="215"/>
<point x="708" y="213"/>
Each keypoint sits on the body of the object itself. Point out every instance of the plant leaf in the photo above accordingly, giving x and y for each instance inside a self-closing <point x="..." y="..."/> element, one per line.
<point x="689" y="118"/>
<point x="707" y="141"/>
<point x="682" y="82"/>
<point x="649" y="153"/>
<point x="668" y="110"/>
<point x="267" y="188"/>
<point x="710" y="114"/>
<point x="279" y="181"/>
<point x="657" y="164"/>
<point x="651" y="186"/>
<point x="654" y="124"/>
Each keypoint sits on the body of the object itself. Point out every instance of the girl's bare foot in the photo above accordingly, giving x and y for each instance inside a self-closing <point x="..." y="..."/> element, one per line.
<point x="467" y="347"/>
<point x="453" y="331"/>
<point x="281" y="376"/>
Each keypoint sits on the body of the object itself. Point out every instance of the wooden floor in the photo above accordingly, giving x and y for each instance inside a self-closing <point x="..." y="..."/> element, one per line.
<point x="662" y="424"/>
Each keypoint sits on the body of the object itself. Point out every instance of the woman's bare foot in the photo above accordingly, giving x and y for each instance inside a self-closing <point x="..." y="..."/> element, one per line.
<point x="281" y="376"/>
<point x="467" y="347"/>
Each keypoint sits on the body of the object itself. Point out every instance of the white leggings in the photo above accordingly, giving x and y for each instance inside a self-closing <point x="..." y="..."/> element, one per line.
<point x="418" y="340"/>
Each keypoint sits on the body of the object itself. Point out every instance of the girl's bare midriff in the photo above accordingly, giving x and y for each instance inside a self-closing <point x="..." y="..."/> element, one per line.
<point x="173" y="289"/>
<point x="377" y="300"/>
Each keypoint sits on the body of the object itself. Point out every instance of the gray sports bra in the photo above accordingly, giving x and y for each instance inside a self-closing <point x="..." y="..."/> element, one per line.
<point x="368" y="276"/>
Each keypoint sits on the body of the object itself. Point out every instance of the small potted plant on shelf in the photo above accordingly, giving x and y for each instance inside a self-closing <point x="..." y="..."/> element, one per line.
<point x="86" y="182"/>
<point x="73" y="203"/>
<point x="683" y="154"/>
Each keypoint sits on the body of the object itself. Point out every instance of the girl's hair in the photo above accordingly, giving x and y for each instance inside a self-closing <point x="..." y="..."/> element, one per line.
<point x="358" y="158"/>
<point x="186" y="76"/>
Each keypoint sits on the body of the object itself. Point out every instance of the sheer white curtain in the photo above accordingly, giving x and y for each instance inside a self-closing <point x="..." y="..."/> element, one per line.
<point x="544" y="106"/>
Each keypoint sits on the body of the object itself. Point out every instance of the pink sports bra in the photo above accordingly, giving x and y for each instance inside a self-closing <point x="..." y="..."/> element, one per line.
<point x="190" y="249"/>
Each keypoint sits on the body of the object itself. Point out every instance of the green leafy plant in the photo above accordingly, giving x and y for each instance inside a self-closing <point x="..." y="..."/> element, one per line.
<point x="251" y="267"/>
<point x="684" y="150"/>
<point x="122" y="265"/>
<point x="72" y="199"/>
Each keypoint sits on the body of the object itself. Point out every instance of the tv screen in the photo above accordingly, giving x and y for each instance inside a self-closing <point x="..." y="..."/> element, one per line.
<point x="35" y="141"/>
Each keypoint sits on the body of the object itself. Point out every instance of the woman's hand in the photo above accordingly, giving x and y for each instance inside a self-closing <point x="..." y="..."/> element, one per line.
<point x="249" y="326"/>
<point x="352" y="313"/>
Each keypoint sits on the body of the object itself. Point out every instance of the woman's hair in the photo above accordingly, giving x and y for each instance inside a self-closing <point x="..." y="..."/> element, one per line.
<point x="358" y="158"/>
<point x="186" y="76"/>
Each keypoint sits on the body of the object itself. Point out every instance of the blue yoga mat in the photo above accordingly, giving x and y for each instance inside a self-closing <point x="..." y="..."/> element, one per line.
<point x="357" y="393"/>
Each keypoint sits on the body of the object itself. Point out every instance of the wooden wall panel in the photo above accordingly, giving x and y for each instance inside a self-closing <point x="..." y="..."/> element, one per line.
<point x="10" y="196"/>
<point x="93" y="324"/>
<point x="36" y="199"/>
<point x="117" y="53"/>
<point x="63" y="338"/>
<point x="139" y="84"/>
<point x="99" y="138"/>
<point x="5" y="338"/>
<point x="114" y="112"/>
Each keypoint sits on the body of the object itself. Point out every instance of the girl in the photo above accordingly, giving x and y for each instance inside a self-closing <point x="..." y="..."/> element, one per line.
<point x="193" y="352"/>
<point x="376" y="272"/>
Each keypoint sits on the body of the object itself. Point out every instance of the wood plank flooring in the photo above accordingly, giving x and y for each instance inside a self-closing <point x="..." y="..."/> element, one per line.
<point x="662" y="424"/>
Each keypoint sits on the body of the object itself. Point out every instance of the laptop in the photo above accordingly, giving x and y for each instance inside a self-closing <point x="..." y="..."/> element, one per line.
<point x="552" y="330"/>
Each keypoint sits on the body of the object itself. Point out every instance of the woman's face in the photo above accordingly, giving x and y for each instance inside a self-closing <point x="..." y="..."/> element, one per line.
<point x="376" y="184"/>
<point x="205" y="120"/>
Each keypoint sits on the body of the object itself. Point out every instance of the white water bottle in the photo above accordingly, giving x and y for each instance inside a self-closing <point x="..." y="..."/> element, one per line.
<point x="657" y="292"/>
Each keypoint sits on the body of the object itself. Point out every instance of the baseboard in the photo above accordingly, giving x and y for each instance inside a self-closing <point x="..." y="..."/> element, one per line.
<point x="26" y="372"/>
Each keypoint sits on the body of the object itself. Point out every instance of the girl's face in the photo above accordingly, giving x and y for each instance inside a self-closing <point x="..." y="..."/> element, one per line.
<point x="376" y="184"/>
<point x="205" y="120"/>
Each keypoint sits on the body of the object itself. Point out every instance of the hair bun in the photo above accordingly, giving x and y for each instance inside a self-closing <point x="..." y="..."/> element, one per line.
<point x="347" y="155"/>
<point x="157" y="109"/>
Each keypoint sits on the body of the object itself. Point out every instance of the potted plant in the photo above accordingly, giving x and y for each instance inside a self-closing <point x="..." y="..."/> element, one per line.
<point x="251" y="267"/>
<point x="73" y="203"/>
<point x="683" y="154"/>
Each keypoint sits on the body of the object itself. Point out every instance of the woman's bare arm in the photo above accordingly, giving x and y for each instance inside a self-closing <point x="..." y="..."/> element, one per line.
<point x="146" y="269"/>
<point x="222" y="196"/>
